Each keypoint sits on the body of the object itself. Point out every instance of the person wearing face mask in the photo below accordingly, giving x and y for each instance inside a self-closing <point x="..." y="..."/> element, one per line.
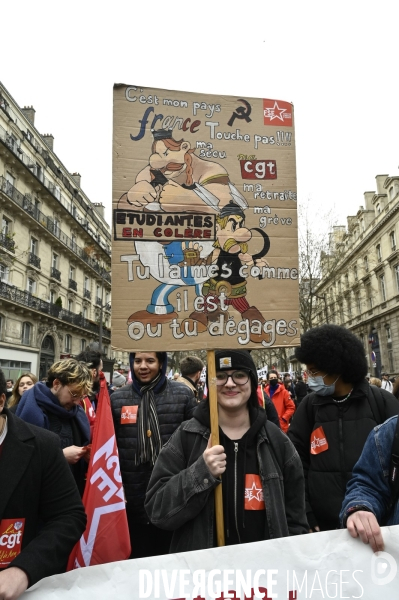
<point x="281" y="399"/>
<point x="331" y="424"/>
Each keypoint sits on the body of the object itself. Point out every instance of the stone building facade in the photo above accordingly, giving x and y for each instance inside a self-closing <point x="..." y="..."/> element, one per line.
<point x="55" y="252"/>
<point x="360" y="276"/>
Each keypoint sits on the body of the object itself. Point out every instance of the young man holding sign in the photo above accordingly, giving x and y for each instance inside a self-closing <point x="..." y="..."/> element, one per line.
<point x="263" y="485"/>
<point x="41" y="514"/>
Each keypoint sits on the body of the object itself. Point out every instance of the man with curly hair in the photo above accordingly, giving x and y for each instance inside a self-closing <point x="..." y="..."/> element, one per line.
<point x="331" y="424"/>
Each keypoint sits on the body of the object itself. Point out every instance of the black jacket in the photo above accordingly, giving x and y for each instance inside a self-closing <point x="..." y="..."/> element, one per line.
<point x="36" y="484"/>
<point x="180" y="493"/>
<point x="175" y="403"/>
<point x="342" y="430"/>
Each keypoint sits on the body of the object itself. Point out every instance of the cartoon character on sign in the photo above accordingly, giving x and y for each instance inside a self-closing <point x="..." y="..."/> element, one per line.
<point x="233" y="258"/>
<point x="176" y="180"/>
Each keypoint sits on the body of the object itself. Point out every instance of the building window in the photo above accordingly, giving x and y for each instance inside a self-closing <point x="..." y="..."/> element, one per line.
<point x="346" y="280"/>
<point x="105" y="350"/>
<point x="362" y="224"/>
<point x="390" y="359"/>
<point x="72" y="273"/>
<point x="84" y="312"/>
<point x="383" y="288"/>
<point x="366" y="264"/>
<point x="86" y="284"/>
<point x="396" y="269"/>
<point x="369" y="296"/>
<point x="392" y="239"/>
<point x="388" y="333"/>
<point x="70" y="305"/>
<point x="54" y="261"/>
<point x="68" y="343"/>
<point x="349" y="307"/>
<point x="26" y="334"/>
<point x="392" y="192"/>
<point x="378" y="208"/>
<point x="82" y="345"/>
<point x="33" y="245"/>
<point x="378" y="252"/>
<point x="358" y="304"/>
<point x="5" y="226"/>
<point x="3" y="273"/>
<point x="355" y="273"/>
<point x="52" y="296"/>
<point x="341" y="313"/>
<point x="10" y="179"/>
<point x="73" y="241"/>
<point x="31" y="286"/>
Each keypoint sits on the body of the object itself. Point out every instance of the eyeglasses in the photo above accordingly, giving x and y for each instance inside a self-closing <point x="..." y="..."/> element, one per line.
<point x="311" y="373"/>
<point x="238" y="377"/>
<point x="75" y="396"/>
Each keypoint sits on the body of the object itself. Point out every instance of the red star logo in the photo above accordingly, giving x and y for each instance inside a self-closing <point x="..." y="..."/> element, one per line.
<point x="275" y="112"/>
<point x="254" y="493"/>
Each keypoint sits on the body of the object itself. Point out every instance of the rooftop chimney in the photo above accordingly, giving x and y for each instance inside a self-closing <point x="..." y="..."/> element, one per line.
<point x="76" y="177"/>
<point x="29" y="113"/>
<point x="49" y="139"/>
<point x="99" y="208"/>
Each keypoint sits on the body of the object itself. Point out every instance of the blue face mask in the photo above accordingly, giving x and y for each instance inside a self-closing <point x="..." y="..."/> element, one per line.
<point x="317" y="385"/>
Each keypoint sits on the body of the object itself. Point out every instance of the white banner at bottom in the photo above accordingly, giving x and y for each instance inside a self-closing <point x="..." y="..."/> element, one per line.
<point x="317" y="566"/>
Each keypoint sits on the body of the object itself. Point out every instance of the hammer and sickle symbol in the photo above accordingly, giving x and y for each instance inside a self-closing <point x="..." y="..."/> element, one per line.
<point x="241" y="113"/>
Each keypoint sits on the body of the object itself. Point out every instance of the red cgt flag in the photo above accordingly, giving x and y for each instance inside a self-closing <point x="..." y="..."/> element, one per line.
<point x="106" y="538"/>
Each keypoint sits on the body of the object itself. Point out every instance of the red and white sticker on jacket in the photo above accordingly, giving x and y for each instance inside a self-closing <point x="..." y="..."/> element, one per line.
<point x="129" y="415"/>
<point x="318" y="441"/>
<point x="11" y="534"/>
<point x="253" y="499"/>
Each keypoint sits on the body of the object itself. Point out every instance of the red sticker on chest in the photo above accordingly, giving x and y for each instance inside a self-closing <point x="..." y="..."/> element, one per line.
<point x="129" y="414"/>
<point x="253" y="499"/>
<point x="318" y="441"/>
<point x="11" y="534"/>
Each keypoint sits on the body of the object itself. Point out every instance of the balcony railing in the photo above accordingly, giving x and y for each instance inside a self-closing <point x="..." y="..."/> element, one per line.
<point x="13" y="294"/>
<point x="73" y="285"/>
<point x="7" y="242"/>
<point x="34" y="260"/>
<point x="14" y="146"/>
<point x="87" y="294"/>
<point x="25" y="202"/>
<point x="55" y="273"/>
<point x="98" y="300"/>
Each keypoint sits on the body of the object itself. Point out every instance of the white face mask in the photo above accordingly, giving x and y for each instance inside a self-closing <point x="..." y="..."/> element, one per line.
<point x="318" y="386"/>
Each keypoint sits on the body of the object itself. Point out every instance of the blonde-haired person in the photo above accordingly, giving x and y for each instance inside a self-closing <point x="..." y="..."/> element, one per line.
<point x="23" y="383"/>
<point x="375" y="381"/>
<point x="54" y="405"/>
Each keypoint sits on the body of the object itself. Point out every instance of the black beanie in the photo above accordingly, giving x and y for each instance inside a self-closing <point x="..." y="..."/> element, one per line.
<point x="236" y="359"/>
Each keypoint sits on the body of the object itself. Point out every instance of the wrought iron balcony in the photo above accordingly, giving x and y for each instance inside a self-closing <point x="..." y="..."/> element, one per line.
<point x="55" y="273"/>
<point x="34" y="260"/>
<point x="25" y="202"/>
<point x="12" y="294"/>
<point x="73" y="285"/>
<point x="7" y="242"/>
<point x="98" y="301"/>
<point x="87" y="294"/>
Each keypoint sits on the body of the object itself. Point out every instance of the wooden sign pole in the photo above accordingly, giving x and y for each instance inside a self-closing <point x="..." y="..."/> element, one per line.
<point x="213" y="408"/>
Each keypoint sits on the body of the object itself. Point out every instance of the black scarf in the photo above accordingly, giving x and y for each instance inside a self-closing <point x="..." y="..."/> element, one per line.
<point x="149" y="441"/>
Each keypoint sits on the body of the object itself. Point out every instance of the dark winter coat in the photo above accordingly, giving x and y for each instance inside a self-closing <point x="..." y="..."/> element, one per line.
<point x="340" y="432"/>
<point x="36" y="484"/>
<point x="180" y="493"/>
<point x="175" y="403"/>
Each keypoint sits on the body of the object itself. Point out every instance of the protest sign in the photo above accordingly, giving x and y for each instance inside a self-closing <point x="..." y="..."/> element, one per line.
<point x="321" y="565"/>
<point x="205" y="246"/>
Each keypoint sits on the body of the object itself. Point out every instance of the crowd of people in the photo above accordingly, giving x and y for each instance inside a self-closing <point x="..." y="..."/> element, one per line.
<point x="295" y="456"/>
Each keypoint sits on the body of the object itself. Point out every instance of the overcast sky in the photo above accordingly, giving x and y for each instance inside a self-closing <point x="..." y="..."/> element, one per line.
<point x="336" y="61"/>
